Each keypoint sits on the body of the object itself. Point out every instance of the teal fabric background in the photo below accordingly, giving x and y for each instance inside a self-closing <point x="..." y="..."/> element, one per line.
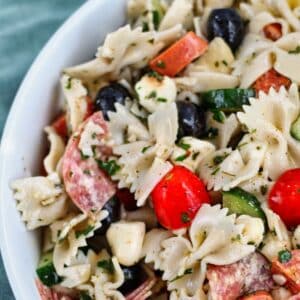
<point x="25" y="26"/>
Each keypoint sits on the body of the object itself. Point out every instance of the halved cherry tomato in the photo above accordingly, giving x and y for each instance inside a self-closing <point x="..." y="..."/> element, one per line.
<point x="284" y="197"/>
<point x="271" y="79"/>
<point x="177" y="198"/>
<point x="60" y="126"/>
<point x="127" y="198"/>
<point x="260" y="295"/>
<point x="179" y="55"/>
<point x="290" y="270"/>
<point x="273" y="31"/>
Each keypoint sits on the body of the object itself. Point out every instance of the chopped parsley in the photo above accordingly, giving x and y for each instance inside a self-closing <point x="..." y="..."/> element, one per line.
<point x="224" y="62"/>
<point x="264" y="189"/>
<point x="242" y="145"/>
<point x="155" y="19"/>
<point x="295" y="51"/>
<point x="160" y="99"/>
<point x="219" y="159"/>
<point x="156" y="75"/>
<point x="218" y="116"/>
<point x="186" y="272"/>
<point x="87" y="172"/>
<point x="284" y="256"/>
<point x="184" y="145"/>
<point x="69" y="83"/>
<point x="185" y="218"/>
<point x="145" y="149"/>
<point x="145" y="27"/>
<point x="83" y="156"/>
<point x="106" y="265"/>
<point x="217" y="64"/>
<point x="151" y="41"/>
<point x="151" y="95"/>
<point x="84" y="296"/>
<point x="94" y="135"/>
<point x="212" y="132"/>
<point x="182" y="157"/>
<point x="111" y="167"/>
<point x="85" y="231"/>
<point x="215" y="171"/>
<point x="195" y="155"/>
<point x="160" y="64"/>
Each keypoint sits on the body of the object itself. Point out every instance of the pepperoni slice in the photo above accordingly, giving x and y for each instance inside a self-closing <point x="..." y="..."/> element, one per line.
<point x="248" y="275"/>
<point x="86" y="184"/>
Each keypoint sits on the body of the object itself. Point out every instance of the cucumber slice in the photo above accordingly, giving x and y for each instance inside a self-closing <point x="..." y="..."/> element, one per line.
<point x="295" y="129"/>
<point x="241" y="202"/>
<point x="227" y="100"/>
<point x="46" y="271"/>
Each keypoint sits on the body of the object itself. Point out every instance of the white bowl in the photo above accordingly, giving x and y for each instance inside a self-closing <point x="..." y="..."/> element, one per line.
<point x="23" y="141"/>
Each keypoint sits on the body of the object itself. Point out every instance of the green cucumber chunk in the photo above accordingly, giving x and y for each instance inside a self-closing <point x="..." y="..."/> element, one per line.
<point x="46" y="270"/>
<point x="241" y="202"/>
<point x="295" y="129"/>
<point x="227" y="100"/>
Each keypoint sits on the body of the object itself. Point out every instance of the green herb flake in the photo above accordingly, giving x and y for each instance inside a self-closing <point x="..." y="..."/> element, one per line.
<point x="145" y="149"/>
<point x="182" y="157"/>
<point x="195" y="155"/>
<point x="219" y="159"/>
<point x="145" y="27"/>
<point x="242" y="145"/>
<point x="68" y="84"/>
<point x="184" y="146"/>
<point x="83" y="156"/>
<point x="212" y="132"/>
<point x="160" y="99"/>
<point x="106" y="265"/>
<point x="94" y="135"/>
<point x="224" y="62"/>
<point x="87" y="172"/>
<point x="84" y="296"/>
<point x="295" y="51"/>
<point x="155" y="19"/>
<point x="185" y="218"/>
<point x="111" y="167"/>
<point x="215" y="171"/>
<point x="218" y="116"/>
<point x="85" y="231"/>
<point x="156" y="75"/>
<point x="284" y="256"/>
<point x="217" y="64"/>
<point x="160" y="64"/>
<point x="151" y="41"/>
<point x="264" y="189"/>
<point x="186" y="272"/>
<point x="151" y="95"/>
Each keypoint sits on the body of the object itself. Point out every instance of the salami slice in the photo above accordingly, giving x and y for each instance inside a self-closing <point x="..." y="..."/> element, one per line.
<point x="248" y="275"/>
<point x="143" y="291"/>
<point x="47" y="293"/>
<point x="87" y="185"/>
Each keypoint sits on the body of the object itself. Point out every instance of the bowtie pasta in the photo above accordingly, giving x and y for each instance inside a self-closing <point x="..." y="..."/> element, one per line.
<point x="173" y="170"/>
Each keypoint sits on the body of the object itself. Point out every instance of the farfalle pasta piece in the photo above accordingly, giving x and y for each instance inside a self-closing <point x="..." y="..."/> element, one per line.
<point x="57" y="149"/>
<point x="136" y="49"/>
<point x="278" y="238"/>
<point x="190" y="152"/>
<point x="144" y="162"/>
<point x="227" y="168"/>
<point x="269" y="119"/>
<point x="41" y="200"/>
<point x="71" y="236"/>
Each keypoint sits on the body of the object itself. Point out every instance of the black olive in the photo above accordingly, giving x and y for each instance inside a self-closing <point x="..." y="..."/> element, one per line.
<point x="191" y="118"/>
<point x="133" y="277"/>
<point x="113" y="208"/>
<point x="227" y="24"/>
<point x="108" y="96"/>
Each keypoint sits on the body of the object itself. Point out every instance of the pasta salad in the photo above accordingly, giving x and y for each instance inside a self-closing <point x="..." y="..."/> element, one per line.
<point x="173" y="170"/>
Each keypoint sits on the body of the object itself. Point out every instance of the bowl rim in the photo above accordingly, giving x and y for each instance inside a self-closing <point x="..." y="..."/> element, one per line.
<point x="8" y="262"/>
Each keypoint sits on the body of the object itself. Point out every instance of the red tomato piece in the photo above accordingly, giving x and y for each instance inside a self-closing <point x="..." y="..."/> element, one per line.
<point x="87" y="185"/>
<point x="90" y="107"/>
<point x="60" y="126"/>
<point x="127" y="198"/>
<point x="273" y="31"/>
<point x="271" y="79"/>
<point x="178" y="197"/>
<point x="261" y="295"/>
<point x="290" y="270"/>
<point x="179" y="55"/>
<point x="284" y="197"/>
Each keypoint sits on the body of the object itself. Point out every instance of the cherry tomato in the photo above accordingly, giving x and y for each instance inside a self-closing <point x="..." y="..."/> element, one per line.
<point x="284" y="197"/>
<point x="127" y="199"/>
<point x="178" y="197"/>
<point x="271" y="79"/>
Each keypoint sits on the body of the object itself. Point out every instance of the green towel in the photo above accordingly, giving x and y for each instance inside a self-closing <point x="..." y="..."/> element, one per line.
<point x="25" y="26"/>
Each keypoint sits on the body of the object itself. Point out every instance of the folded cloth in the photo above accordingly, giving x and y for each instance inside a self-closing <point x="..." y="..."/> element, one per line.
<point x="25" y="27"/>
